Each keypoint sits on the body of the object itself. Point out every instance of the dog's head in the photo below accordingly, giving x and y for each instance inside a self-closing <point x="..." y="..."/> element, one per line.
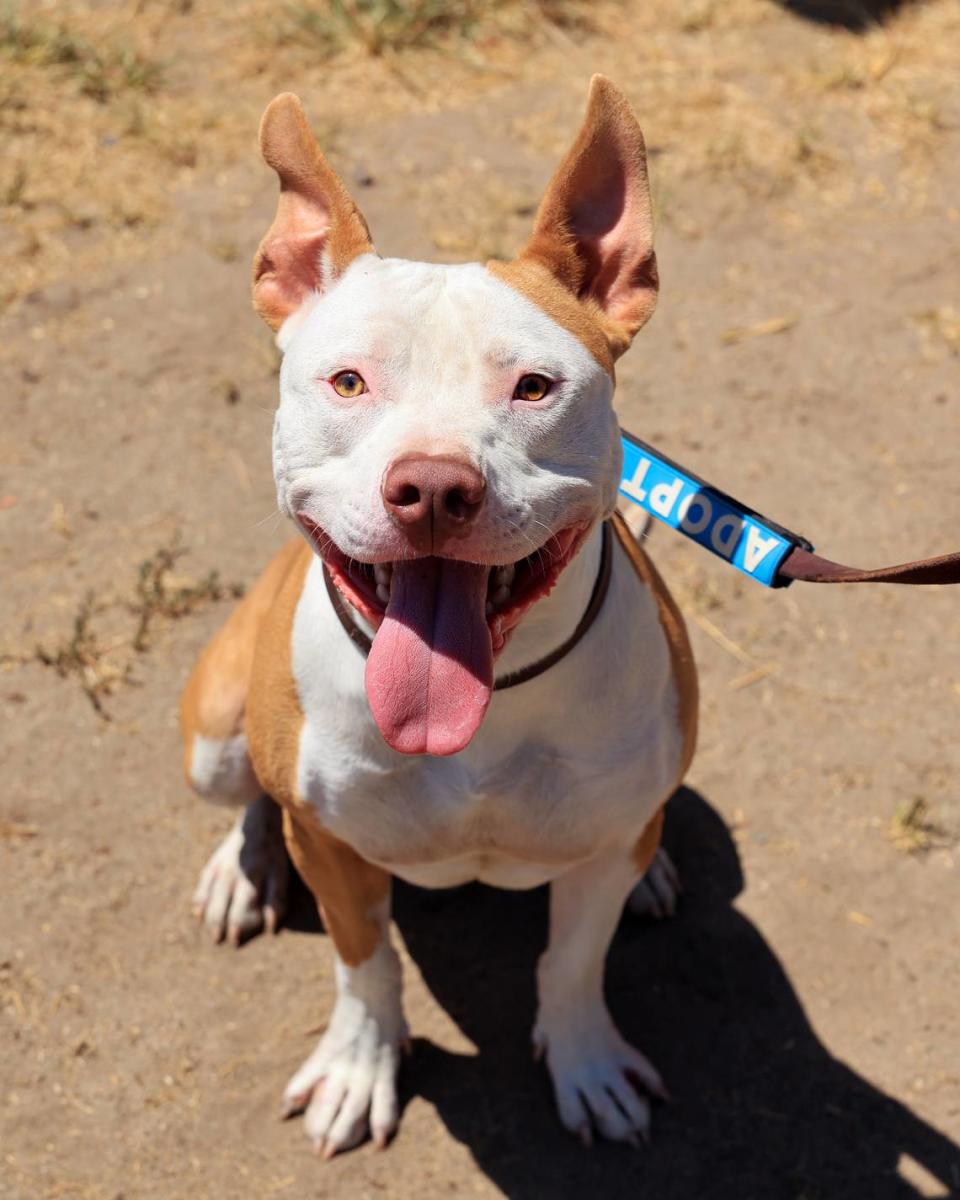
<point x="446" y="436"/>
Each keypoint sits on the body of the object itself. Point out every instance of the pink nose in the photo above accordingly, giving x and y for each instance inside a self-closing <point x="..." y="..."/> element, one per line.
<point x="432" y="498"/>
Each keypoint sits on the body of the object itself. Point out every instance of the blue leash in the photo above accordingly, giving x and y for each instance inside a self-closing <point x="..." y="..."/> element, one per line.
<point x="758" y="547"/>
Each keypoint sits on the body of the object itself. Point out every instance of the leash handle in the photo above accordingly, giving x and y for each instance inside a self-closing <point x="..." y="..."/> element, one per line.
<point x="811" y="568"/>
<point x="748" y="541"/>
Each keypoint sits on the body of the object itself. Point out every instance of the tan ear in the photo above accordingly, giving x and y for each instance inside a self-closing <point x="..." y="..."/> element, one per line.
<point x="594" y="228"/>
<point x="318" y="230"/>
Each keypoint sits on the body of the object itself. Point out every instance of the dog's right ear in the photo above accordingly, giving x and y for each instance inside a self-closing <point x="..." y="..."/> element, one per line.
<point x="318" y="230"/>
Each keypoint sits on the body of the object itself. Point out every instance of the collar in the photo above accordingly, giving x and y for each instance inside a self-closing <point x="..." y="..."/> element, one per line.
<point x="523" y="674"/>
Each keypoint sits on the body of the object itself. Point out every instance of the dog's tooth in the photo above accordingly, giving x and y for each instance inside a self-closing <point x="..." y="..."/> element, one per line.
<point x="500" y="596"/>
<point x="383" y="572"/>
<point x="489" y="608"/>
<point x="505" y="574"/>
<point x="383" y="593"/>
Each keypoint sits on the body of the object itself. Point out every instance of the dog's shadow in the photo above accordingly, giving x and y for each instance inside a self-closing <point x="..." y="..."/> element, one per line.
<point x="858" y="16"/>
<point x="761" y="1109"/>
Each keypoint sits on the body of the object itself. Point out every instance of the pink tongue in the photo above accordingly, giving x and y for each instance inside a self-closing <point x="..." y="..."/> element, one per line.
<point x="430" y="669"/>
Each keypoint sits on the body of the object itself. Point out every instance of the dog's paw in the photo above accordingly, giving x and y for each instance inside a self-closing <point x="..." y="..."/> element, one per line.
<point x="348" y="1086"/>
<point x="657" y="893"/>
<point x="243" y="888"/>
<point x="600" y="1082"/>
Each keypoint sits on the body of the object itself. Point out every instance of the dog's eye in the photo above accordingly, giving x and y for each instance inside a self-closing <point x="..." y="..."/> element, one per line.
<point x="349" y="385"/>
<point x="531" y="388"/>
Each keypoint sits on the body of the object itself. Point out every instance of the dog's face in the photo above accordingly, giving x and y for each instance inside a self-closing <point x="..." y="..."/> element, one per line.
<point x="446" y="435"/>
<point x="405" y="361"/>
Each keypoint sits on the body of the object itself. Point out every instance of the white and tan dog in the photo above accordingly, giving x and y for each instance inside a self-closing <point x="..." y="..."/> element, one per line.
<point x="447" y="444"/>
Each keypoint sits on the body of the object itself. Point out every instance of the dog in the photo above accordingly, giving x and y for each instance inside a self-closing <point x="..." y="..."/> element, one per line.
<point x="465" y="667"/>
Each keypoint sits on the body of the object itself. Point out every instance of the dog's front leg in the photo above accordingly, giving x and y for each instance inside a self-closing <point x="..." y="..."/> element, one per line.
<point x="599" y="1079"/>
<point x="348" y="1085"/>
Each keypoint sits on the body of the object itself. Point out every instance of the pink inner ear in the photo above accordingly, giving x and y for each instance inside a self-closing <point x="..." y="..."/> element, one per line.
<point x="317" y="231"/>
<point x="610" y="221"/>
<point x="289" y="265"/>
<point x="288" y="271"/>
<point x="624" y="274"/>
<point x="594" y="228"/>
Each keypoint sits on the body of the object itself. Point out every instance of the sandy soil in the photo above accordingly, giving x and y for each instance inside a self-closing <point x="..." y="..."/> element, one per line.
<point x="802" y="1005"/>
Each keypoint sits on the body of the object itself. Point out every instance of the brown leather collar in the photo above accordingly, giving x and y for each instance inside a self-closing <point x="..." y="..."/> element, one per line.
<point x="512" y="678"/>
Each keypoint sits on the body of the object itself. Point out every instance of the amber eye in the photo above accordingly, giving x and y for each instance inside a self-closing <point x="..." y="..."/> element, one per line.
<point x="349" y="385"/>
<point x="531" y="387"/>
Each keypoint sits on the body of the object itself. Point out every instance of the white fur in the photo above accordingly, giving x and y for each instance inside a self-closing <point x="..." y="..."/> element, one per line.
<point x="244" y="884"/>
<point x="348" y="1084"/>
<point x="441" y="349"/>
<point x="220" y="769"/>
<point x="588" y="1059"/>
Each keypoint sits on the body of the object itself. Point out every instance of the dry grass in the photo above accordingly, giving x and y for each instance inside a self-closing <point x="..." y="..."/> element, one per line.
<point x="743" y="333"/>
<point x="378" y="26"/>
<point x="158" y="597"/>
<point x="161" y="596"/>
<point x="939" y="330"/>
<point x="913" y="828"/>
<point x="106" y="110"/>
<point x="83" y="657"/>
<point x="102" y="73"/>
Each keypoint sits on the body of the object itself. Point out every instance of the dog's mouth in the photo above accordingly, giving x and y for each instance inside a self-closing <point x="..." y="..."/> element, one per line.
<point x="440" y="623"/>
<point x="509" y="590"/>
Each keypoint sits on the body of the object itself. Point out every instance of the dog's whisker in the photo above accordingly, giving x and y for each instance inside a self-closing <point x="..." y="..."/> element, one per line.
<point x="274" y="516"/>
<point x="551" y="538"/>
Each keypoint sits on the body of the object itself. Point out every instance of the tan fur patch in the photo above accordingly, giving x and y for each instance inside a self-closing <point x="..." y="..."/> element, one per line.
<point x="274" y="717"/>
<point x="582" y="318"/>
<point x="345" y="887"/>
<point x="648" y="842"/>
<point x="684" y="669"/>
<point x="213" y="702"/>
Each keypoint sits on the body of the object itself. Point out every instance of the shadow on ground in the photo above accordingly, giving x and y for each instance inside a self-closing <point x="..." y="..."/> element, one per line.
<point x="761" y="1108"/>
<point x="856" y="15"/>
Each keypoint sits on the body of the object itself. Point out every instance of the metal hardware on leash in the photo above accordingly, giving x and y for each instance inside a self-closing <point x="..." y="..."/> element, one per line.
<point x="755" y="545"/>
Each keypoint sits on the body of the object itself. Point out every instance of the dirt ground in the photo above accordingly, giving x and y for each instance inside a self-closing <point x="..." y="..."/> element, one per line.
<point x="803" y="1003"/>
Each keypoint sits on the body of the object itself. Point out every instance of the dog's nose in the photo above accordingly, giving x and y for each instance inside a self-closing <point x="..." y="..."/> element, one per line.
<point x="433" y="497"/>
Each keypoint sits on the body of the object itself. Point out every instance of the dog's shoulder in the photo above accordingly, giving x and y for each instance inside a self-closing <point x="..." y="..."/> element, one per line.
<point x="274" y="715"/>
<point x="214" y="698"/>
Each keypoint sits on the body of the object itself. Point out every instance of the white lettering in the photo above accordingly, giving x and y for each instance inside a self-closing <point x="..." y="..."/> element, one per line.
<point x="724" y="535"/>
<point x="758" y="547"/>
<point x="664" y="496"/>
<point x="632" y="486"/>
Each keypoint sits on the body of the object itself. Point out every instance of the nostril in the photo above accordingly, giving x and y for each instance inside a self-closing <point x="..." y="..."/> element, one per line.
<point x="406" y="495"/>
<point x="457" y="504"/>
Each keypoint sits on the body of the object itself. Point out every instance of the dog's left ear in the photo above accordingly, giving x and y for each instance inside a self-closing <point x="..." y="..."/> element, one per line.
<point x="318" y="230"/>
<point x="594" y="228"/>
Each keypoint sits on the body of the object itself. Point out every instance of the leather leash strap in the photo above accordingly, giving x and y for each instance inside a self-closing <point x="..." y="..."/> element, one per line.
<point x="511" y="679"/>
<point x="811" y="568"/>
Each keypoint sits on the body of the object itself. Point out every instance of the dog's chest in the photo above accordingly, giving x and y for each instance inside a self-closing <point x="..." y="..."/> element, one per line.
<point x="557" y="769"/>
<point x="527" y="801"/>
